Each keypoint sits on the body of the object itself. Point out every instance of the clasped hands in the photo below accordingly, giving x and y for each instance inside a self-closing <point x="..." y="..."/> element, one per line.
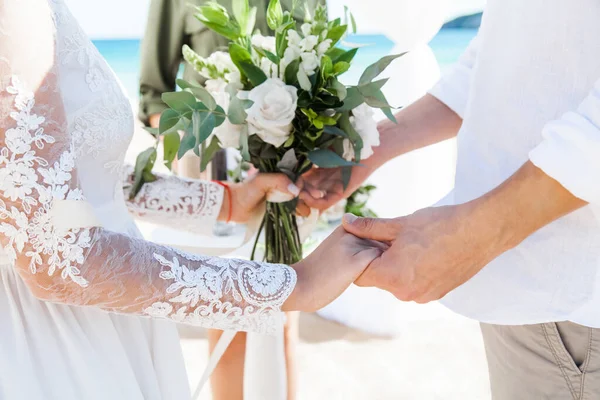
<point x="419" y="257"/>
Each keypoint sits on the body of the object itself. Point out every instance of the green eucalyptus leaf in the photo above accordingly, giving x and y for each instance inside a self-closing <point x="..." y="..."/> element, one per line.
<point x="334" y="130"/>
<point x="274" y="14"/>
<point x="153" y="131"/>
<point x="325" y="158"/>
<point x="237" y="110"/>
<point x="353" y="99"/>
<point x="168" y="119"/>
<point x="340" y="89"/>
<point x="183" y="102"/>
<point x="377" y="68"/>
<point x="380" y="97"/>
<point x="244" y="147"/>
<point x="371" y="89"/>
<point x="208" y="153"/>
<point x="171" y="143"/>
<point x="204" y="96"/>
<point x="143" y="163"/>
<point x="288" y="161"/>
<point x="203" y="125"/>
<point x="355" y="138"/>
<point x="188" y="142"/>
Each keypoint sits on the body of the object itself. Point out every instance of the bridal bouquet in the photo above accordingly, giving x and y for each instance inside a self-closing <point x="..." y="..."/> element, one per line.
<point x="278" y="100"/>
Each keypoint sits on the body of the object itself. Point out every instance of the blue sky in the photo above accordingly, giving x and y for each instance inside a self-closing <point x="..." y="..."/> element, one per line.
<point x="126" y="18"/>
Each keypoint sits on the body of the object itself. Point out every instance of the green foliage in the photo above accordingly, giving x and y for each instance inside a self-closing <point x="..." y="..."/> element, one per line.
<point x="326" y="158"/>
<point x="274" y="14"/>
<point x="215" y="17"/>
<point x="357" y="202"/>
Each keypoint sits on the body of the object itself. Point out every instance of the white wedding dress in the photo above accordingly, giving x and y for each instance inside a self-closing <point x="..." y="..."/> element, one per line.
<point x="86" y="306"/>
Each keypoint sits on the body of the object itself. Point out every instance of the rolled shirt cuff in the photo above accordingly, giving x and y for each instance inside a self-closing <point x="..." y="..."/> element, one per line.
<point x="570" y="154"/>
<point x="453" y="88"/>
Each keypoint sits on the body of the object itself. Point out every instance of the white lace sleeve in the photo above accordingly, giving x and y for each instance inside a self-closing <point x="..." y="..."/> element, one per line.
<point x="92" y="266"/>
<point x="188" y="204"/>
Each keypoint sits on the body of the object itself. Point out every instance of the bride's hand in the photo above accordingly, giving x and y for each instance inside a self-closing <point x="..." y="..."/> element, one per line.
<point x="248" y="195"/>
<point x="331" y="269"/>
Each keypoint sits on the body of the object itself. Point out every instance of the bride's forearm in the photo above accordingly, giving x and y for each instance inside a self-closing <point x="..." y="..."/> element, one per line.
<point x="425" y="122"/>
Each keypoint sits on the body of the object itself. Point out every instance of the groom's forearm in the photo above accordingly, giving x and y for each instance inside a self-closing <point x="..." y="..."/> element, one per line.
<point x="425" y="122"/>
<point x="523" y="204"/>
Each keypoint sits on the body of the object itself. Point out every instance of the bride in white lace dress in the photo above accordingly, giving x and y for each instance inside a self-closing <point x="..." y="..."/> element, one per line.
<point x="86" y="306"/>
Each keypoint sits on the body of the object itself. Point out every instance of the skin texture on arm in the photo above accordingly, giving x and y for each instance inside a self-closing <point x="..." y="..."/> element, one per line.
<point x="435" y="250"/>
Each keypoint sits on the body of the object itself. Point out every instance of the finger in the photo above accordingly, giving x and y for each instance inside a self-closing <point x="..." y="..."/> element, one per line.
<point x="277" y="187"/>
<point x="365" y="279"/>
<point x="381" y="229"/>
<point x="313" y="191"/>
<point x="302" y="209"/>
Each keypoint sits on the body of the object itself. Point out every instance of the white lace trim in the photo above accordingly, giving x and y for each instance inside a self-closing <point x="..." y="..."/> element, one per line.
<point x="262" y="287"/>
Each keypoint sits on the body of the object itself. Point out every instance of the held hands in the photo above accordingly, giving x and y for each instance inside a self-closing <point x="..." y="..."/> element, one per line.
<point x="431" y="252"/>
<point x="330" y="270"/>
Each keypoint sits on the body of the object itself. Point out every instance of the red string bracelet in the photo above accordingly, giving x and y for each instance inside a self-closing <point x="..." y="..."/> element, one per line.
<point x="228" y="190"/>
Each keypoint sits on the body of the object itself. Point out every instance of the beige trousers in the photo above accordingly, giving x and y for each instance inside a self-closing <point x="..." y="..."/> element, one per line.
<point x="543" y="361"/>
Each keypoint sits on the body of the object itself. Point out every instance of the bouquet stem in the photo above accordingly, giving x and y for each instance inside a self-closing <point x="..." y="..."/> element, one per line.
<point x="282" y="241"/>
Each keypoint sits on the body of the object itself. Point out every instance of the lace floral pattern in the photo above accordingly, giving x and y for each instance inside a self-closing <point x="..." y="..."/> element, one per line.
<point x="28" y="181"/>
<point x="55" y="144"/>
<point x="193" y="204"/>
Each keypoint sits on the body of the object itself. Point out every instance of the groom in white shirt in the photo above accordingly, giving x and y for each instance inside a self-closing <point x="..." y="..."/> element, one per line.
<point x="519" y="248"/>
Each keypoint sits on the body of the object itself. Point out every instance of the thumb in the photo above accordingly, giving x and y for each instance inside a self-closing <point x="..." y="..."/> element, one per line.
<point x="371" y="228"/>
<point x="277" y="187"/>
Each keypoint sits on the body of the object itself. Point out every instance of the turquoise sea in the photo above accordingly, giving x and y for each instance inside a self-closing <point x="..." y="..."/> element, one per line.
<point x="124" y="55"/>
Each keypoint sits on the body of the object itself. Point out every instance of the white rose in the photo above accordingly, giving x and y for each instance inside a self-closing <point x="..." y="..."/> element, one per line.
<point x="227" y="133"/>
<point x="310" y="62"/>
<point x="365" y="125"/>
<point x="264" y="42"/>
<point x="323" y="47"/>
<point x="274" y="109"/>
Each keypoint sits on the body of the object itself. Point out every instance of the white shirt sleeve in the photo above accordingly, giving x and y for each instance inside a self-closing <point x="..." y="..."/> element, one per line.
<point x="454" y="86"/>
<point x="570" y="151"/>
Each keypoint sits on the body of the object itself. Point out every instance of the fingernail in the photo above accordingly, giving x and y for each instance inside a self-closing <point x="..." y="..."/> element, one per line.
<point x="322" y="194"/>
<point x="293" y="189"/>
<point x="350" y="218"/>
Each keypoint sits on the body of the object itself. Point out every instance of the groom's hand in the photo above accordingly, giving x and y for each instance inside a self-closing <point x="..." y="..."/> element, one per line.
<point x="432" y="251"/>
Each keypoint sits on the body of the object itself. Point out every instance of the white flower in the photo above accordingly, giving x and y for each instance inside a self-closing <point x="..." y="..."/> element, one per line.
<point x="291" y="53"/>
<point x="269" y="68"/>
<point x="222" y="62"/>
<point x="293" y="38"/>
<point x="306" y="29"/>
<point x="264" y="42"/>
<point x="227" y="133"/>
<point x="274" y="109"/>
<point x="365" y="125"/>
<point x="323" y="47"/>
<point x="309" y="43"/>
<point x="310" y="62"/>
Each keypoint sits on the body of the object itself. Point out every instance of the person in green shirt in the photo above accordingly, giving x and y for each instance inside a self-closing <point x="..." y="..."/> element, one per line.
<point x="171" y="24"/>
